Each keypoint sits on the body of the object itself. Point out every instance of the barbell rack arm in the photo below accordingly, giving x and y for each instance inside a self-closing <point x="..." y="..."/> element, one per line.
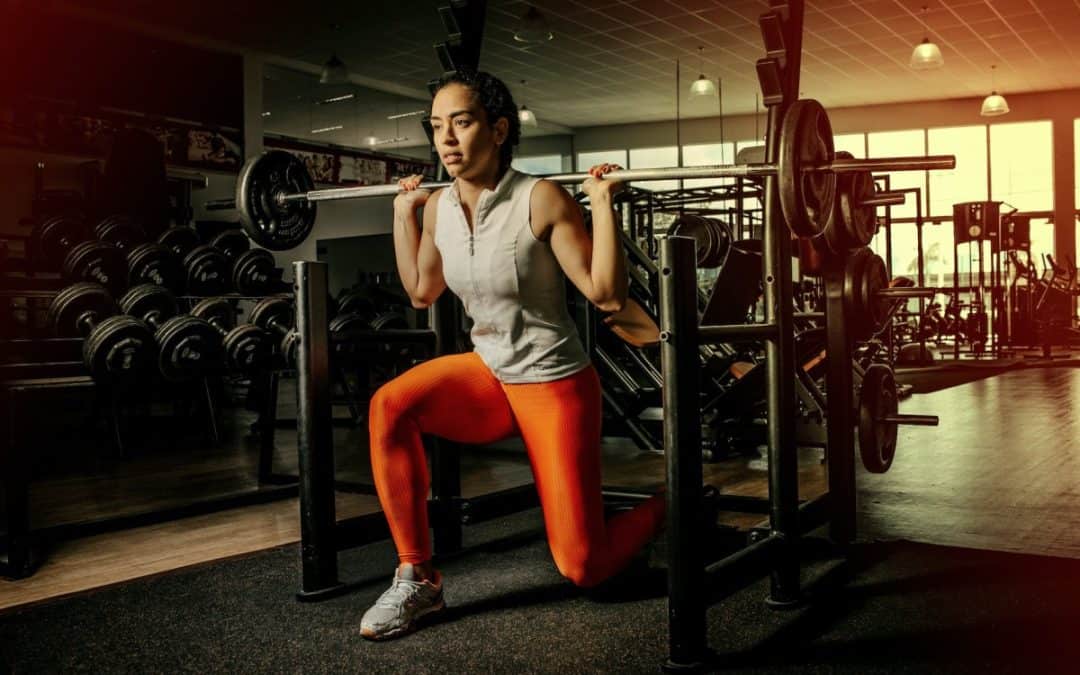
<point x="911" y="420"/>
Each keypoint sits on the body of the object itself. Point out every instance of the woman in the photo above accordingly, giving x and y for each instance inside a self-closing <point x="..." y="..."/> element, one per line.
<point x="503" y="242"/>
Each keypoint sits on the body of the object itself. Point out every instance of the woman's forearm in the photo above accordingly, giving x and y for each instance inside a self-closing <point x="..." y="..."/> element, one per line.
<point x="608" y="265"/>
<point x="406" y="248"/>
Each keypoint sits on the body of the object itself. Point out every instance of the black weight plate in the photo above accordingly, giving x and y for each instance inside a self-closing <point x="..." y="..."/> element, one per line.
<point x="120" y="230"/>
<point x="354" y="302"/>
<point x="248" y="348"/>
<point x="182" y="240"/>
<point x="697" y="228"/>
<point x="52" y="239"/>
<point x="97" y="262"/>
<point x="187" y="348"/>
<point x="120" y="348"/>
<point x="389" y="321"/>
<point x="347" y="322"/>
<point x="864" y="275"/>
<point x="859" y="220"/>
<point x="149" y="303"/>
<point x="76" y="307"/>
<point x="807" y="198"/>
<point x="253" y="272"/>
<point x="207" y="271"/>
<point x="155" y="264"/>
<point x="271" y="223"/>
<point x="215" y="311"/>
<point x="232" y="243"/>
<point x="877" y="400"/>
<point x="275" y="309"/>
<point x="289" y="346"/>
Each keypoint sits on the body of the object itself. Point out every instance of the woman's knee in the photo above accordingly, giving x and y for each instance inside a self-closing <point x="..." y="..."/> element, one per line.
<point x="386" y="409"/>
<point x="581" y="568"/>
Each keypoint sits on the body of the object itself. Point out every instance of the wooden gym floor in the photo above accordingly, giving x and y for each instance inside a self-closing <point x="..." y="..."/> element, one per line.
<point x="1002" y="472"/>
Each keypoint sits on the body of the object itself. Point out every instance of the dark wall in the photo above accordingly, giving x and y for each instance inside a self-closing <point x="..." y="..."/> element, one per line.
<point x="71" y="59"/>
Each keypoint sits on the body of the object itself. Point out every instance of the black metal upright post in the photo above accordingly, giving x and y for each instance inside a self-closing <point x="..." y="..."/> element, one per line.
<point x="780" y="351"/>
<point x="314" y="437"/>
<point x="839" y="408"/>
<point x="445" y="455"/>
<point x="682" y="440"/>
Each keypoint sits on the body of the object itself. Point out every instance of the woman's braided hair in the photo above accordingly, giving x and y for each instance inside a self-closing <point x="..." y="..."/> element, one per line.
<point x="496" y="100"/>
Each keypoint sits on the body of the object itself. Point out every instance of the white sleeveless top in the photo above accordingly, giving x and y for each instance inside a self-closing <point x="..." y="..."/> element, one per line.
<point x="510" y="283"/>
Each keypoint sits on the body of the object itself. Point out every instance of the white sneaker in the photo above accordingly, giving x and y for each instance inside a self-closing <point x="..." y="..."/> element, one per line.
<point x="397" y="611"/>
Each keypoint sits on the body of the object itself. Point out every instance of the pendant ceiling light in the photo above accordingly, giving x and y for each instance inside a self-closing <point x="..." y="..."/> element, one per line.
<point x="702" y="86"/>
<point x="926" y="55"/>
<point x="334" y="71"/>
<point x="532" y="28"/>
<point x="526" y="116"/>
<point x="994" y="104"/>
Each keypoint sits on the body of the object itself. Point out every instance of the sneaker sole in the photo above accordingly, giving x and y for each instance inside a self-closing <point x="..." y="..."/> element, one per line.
<point x="402" y="631"/>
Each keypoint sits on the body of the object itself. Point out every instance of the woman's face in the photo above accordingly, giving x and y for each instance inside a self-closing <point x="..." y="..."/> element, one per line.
<point x="467" y="143"/>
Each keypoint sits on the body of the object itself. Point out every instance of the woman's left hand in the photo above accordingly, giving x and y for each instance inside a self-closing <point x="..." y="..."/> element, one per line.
<point x="597" y="186"/>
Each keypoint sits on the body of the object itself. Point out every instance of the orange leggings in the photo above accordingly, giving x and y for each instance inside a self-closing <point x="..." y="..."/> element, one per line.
<point x="458" y="398"/>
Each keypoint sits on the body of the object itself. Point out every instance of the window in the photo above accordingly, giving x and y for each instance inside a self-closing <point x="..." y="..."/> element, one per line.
<point x="538" y="165"/>
<point x="1022" y="165"/>
<point x="853" y="143"/>
<point x="750" y="202"/>
<point x="965" y="183"/>
<point x="901" y="144"/>
<point x="709" y="154"/>
<point x="653" y="158"/>
<point x="589" y="159"/>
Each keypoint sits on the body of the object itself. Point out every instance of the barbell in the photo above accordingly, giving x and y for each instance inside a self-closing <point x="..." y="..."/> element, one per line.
<point x="276" y="198"/>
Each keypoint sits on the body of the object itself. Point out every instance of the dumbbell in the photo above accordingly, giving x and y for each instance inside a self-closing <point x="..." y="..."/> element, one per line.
<point x="247" y="347"/>
<point x="117" y="347"/>
<point x="63" y="242"/>
<point x="275" y="314"/>
<point x="188" y="347"/>
<point x="229" y="259"/>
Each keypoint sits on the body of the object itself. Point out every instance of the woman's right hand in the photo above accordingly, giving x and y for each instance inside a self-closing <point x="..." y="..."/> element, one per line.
<point x="412" y="196"/>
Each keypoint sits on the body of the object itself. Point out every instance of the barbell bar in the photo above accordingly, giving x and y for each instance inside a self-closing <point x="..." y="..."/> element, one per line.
<point x="276" y="195"/>
<point x="921" y="163"/>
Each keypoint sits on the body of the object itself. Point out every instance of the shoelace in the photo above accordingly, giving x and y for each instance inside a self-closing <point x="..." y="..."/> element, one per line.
<point x="399" y="594"/>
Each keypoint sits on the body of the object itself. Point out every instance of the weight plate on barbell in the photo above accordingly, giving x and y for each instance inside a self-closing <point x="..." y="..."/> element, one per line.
<point x="207" y="271"/>
<point x="877" y="401"/>
<point x="253" y="272"/>
<point x="97" y="262"/>
<point x="864" y="276"/>
<point x="807" y="198"/>
<point x="270" y="222"/>
<point x="188" y="348"/>
<point x="119" y="348"/>
<point x="859" y="220"/>
<point x="182" y="240"/>
<point x="79" y="302"/>
<point x="155" y="264"/>
<point x="148" y="300"/>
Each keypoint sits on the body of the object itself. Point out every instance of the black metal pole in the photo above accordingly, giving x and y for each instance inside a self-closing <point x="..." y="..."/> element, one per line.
<point x="839" y="413"/>
<point x="314" y="437"/>
<point x="780" y="350"/>
<point x="445" y="455"/>
<point x="920" y="260"/>
<point x="682" y="443"/>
